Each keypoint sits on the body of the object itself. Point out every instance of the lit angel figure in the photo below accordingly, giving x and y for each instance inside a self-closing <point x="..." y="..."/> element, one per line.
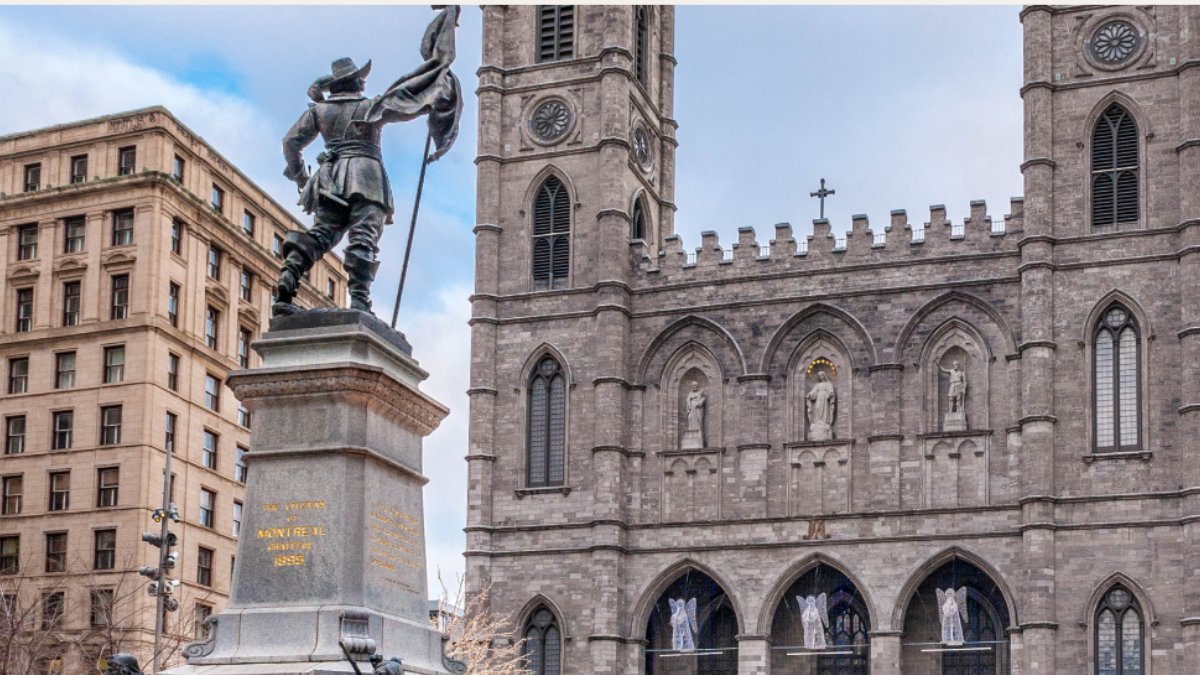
<point x="815" y="616"/>
<point x="683" y="625"/>
<point x="953" y="607"/>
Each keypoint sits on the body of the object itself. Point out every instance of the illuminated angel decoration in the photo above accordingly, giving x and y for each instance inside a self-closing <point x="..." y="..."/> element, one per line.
<point x="953" y="607"/>
<point x="814" y="614"/>
<point x="683" y="625"/>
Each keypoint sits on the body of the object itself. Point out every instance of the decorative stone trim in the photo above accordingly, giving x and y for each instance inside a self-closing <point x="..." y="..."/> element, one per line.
<point x="885" y="366"/>
<point x="754" y="446"/>
<point x="608" y="379"/>
<point x="204" y="647"/>
<point x="753" y="377"/>
<point x="1189" y="408"/>
<point x="1036" y="161"/>
<point x="695" y="451"/>
<point x="481" y="390"/>
<point x="481" y="458"/>
<point x="521" y="493"/>
<point x="1091" y="458"/>
<point x="968" y="433"/>
<point x="885" y="437"/>
<point x="1037" y="418"/>
<point x="1190" y="330"/>
<point x="1189" y="143"/>
<point x="487" y="227"/>
<point x="1190" y="621"/>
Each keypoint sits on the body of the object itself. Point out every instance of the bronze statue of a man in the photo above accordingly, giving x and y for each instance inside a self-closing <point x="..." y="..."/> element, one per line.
<point x="349" y="193"/>
<point x="122" y="664"/>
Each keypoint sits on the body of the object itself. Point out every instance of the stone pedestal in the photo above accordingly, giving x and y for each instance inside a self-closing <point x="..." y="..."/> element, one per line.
<point x="333" y="538"/>
<point x="955" y="420"/>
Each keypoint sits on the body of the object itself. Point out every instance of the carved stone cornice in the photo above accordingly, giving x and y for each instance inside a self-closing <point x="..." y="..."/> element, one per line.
<point x="414" y="410"/>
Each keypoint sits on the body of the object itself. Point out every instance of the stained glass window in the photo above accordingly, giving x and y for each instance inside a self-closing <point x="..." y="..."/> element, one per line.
<point x="962" y="598"/>
<point x="1117" y="394"/>
<point x="714" y="634"/>
<point x="543" y="644"/>
<point x="547" y="424"/>
<point x="1119" y="648"/>
<point x="821" y="626"/>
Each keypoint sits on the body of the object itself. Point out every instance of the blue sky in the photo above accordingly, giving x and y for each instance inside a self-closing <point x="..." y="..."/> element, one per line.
<point x="897" y="107"/>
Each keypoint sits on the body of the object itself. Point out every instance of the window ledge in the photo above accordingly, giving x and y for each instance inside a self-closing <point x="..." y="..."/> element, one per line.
<point x="1144" y="455"/>
<point x="523" y="492"/>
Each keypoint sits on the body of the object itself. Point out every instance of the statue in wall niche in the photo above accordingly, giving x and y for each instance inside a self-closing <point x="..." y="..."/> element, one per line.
<point x="683" y="625"/>
<point x="814" y="615"/>
<point x="956" y="398"/>
<point x="693" y="436"/>
<point x="821" y="404"/>
<point x="952" y="605"/>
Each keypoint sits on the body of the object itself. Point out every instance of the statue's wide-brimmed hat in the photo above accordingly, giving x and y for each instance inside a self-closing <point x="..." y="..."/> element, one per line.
<point x="344" y="69"/>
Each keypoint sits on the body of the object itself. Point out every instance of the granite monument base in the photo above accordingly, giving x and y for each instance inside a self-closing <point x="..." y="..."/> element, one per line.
<point x="332" y="547"/>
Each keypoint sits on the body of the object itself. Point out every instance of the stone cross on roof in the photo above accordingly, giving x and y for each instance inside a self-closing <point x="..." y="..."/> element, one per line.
<point x="822" y="194"/>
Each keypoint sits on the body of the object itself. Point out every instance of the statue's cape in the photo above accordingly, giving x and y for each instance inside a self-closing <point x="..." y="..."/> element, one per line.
<point x="431" y="89"/>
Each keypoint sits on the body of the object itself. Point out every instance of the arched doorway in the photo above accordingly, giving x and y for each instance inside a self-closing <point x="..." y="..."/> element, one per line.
<point x="692" y="629"/>
<point x="820" y="626"/>
<point x="956" y="624"/>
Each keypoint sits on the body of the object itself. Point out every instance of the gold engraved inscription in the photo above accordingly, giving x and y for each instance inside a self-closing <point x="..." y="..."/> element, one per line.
<point x="395" y="539"/>
<point x="297" y="537"/>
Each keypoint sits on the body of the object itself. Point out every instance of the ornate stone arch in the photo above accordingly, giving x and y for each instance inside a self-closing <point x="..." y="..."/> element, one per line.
<point x="766" y="614"/>
<point x="692" y="362"/>
<point x="540" y="177"/>
<point x="1114" y="579"/>
<point x="648" y="372"/>
<point x="641" y="196"/>
<point x="931" y="565"/>
<point x="650" y="594"/>
<point x="1010" y="338"/>
<point x="542" y="600"/>
<point x="536" y="355"/>
<point x="782" y="333"/>
<point x="1145" y="132"/>
<point x="820" y="345"/>
<point x="1130" y="303"/>
<point x="956" y="334"/>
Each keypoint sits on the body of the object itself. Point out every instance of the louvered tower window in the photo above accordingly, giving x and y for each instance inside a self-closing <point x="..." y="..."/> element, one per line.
<point x="547" y="424"/>
<point x="1115" y="168"/>
<point x="543" y="644"/>
<point x="1117" y="396"/>
<point x="551" y="235"/>
<point x="1119" y="634"/>
<point x="642" y="21"/>
<point x="638" y="229"/>
<point x="556" y="32"/>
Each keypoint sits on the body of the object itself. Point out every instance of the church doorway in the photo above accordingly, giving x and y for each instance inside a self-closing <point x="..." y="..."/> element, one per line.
<point x="692" y="629"/>
<point x="956" y="624"/>
<point x="820" y="626"/>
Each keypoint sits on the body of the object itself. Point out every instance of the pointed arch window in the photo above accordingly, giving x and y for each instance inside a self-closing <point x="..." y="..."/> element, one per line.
<point x="556" y="32"/>
<point x="641" y="44"/>
<point x="547" y="424"/>
<point x="1115" y="168"/>
<point x="1116" y="368"/>
<point x="1119" y="634"/>
<point x="638" y="229"/>
<point x="543" y="643"/>
<point x="551" y="235"/>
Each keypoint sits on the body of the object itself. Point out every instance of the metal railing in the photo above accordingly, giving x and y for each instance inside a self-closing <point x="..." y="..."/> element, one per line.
<point x="958" y="230"/>
<point x="879" y="240"/>
<point x="802" y="247"/>
<point x="691" y="258"/>
<point x="998" y="226"/>
<point x="727" y="254"/>
<point x="918" y="235"/>
<point x="764" y="250"/>
<point x="839" y="243"/>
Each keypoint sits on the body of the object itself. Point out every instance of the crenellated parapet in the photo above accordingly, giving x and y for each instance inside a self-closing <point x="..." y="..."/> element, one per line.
<point x="897" y="240"/>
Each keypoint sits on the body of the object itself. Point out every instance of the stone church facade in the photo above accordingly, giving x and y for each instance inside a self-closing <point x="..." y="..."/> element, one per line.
<point x="927" y="446"/>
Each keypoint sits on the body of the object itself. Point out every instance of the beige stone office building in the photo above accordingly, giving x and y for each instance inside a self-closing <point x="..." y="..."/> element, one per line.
<point x="927" y="447"/>
<point x="137" y="266"/>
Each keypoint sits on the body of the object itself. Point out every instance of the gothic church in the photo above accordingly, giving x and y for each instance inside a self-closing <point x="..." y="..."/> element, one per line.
<point x="926" y="447"/>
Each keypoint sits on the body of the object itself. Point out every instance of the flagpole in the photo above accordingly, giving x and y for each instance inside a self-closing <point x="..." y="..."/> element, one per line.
<point x="412" y="228"/>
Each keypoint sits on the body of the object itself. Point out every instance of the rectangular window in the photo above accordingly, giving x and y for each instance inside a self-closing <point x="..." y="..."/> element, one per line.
<point x="33" y="177"/>
<point x="120" y="296"/>
<point x="248" y="223"/>
<point x="27" y="240"/>
<point x="208" y="507"/>
<point x="214" y="263"/>
<point x="200" y="619"/>
<point x="204" y="560"/>
<point x="122" y="229"/>
<point x="169" y="438"/>
<point x="277" y="246"/>
<point x="18" y="375"/>
<point x="78" y="169"/>
<point x="177" y="168"/>
<point x="243" y="348"/>
<point x="102" y="603"/>
<point x="64" y="426"/>
<point x="212" y="325"/>
<point x="239" y="468"/>
<point x="127" y="161"/>
<point x="218" y="199"/>
<point x="14" y="491"/>
<point x="331" y="288"/>
<point x="107" y="486"/>
<point x="172" y="371"/>
<point x="14" y="435"/>
<point x="110" y="425"/>
<point x="76" y="231"/>
<point x="247" y="285"/>
<point x="212" y="392"/>
<point x="64" y="370"/>
<point x="106" y="549"/>
<point x="237" y="517"/>
<point x="60" y="490"/>
<point x="208" y="456"/>
<point x="10" y="555"/>
<point x="177" y="237"/>
<point x="72" y="295"/>
<point x="24" y="310"/>
<point x="556" y="32"/>
<point x="114" y="364"/>
<point x="173" y="304"/>
<point x="53" y="606"/>
<point x="243" y="416"/>
<point x="56" y="552"/>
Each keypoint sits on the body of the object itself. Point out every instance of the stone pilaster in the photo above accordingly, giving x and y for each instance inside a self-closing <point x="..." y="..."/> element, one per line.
<point x="885" y="652"/>
<point x="754" y="655"/>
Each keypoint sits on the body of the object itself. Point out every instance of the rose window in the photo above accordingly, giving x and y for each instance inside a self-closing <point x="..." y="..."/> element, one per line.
<point x="1115" y="42"/>
<point x="551" y="120"/>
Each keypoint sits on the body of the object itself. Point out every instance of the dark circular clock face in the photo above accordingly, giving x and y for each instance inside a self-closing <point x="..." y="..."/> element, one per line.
<point x="551" y="120"/>
<point x="641" y="147"/>
<point x="1115" y="42"/>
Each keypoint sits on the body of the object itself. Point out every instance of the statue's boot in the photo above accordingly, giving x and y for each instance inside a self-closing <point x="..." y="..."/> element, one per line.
<point x="361" y="273"/>
<point x="298" y="250"/>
